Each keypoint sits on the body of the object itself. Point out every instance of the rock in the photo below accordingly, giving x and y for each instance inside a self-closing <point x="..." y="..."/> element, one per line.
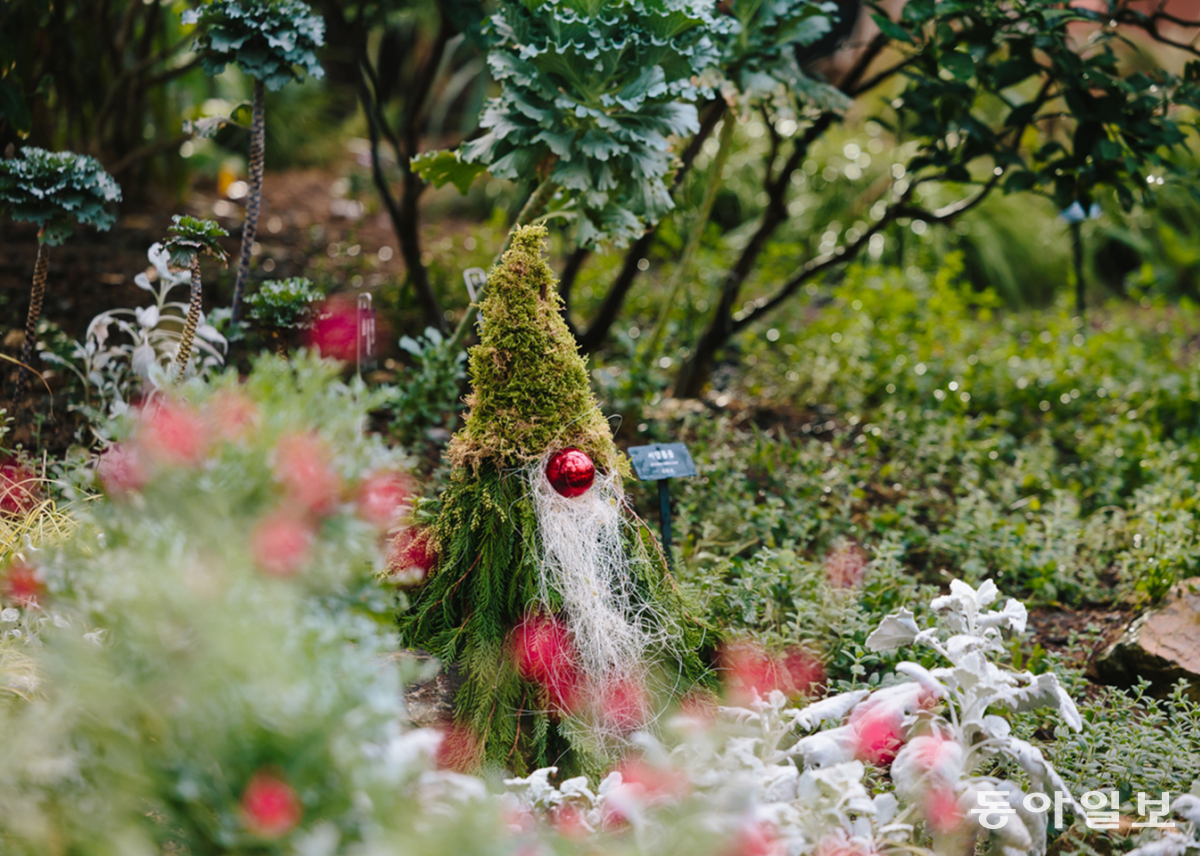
<point x="1162" y="644"/>
<point x="430" y="703"/>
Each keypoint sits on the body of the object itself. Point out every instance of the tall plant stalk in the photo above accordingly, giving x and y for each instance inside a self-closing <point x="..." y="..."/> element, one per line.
<point x="254" y="202"/>
<point x="192" y="322"/>
<point x="36" y="298"/>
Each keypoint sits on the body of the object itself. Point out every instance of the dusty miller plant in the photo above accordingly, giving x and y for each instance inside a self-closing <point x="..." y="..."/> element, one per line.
<point x="128" y="349"/>
<point x="767" y="769"/>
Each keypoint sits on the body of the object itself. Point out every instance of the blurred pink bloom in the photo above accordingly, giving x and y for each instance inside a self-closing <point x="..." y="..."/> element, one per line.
<point x="459" y="750"/>
<point x="569" y="822"/>
<point x="335" y="332"/>
<point x="803" y="672"/>
<point x="838" y="844"/>
<point x="543" y="652"/>
<point x="846" y="565"/>
<point x="172" y="433"/>
<point x="232" y="416"/>
<point x="622" y="705"/>
<point x="652" y="783"/>
<point x="120" y="470"/>
<point x="755" y="839"/>
<point x="23" y="584"/>
<point x="879" y="732"/>
<point x="748" y="669"/>
<point x="942" y="810"/>
<point x="411" y="556"/>
<point x="18" y="489"/>
<point x="303" y="467"/>
<point x="281" y="543"/>
<point x="270" y="807"/>
<point x="382" y="497"/>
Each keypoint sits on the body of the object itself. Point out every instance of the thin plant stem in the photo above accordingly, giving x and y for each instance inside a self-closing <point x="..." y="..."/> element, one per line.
<point x="36" y="298"/>
<point x="250" y="227"/>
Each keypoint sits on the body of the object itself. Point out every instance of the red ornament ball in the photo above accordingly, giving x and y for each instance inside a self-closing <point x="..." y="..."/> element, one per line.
<point x="570" y="472"/>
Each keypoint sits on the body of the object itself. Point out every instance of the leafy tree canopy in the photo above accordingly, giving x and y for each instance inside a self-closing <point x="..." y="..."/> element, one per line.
<point x="56" y="190"/>
<point x="285" y="302"/>
<point x="274" y="41"/>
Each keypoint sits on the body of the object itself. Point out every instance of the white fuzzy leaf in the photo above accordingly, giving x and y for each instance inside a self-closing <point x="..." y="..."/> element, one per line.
<point x="895" y="631"/>
<point x="827" y="748"/>
<point x="834" y="707"/>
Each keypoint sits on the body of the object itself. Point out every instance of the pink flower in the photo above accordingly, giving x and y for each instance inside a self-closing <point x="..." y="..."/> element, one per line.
<point x="382" y="497"/>
<point x="120" y="470"/>
<point x="846" y="566"/>
<point x="755" y="839"/>
<point x="281" y="543"/>
<point x="303" y="467"/>
<point x="803" y="672"/>
<point x="411" y="556"/>
<point x="172" y="433"/>
<point x="543" y="652"/>
<point x="459" y="750"/>
<point x="569" y="821"/>
<point x="942" y="810"/>
<point x="232" y="416"/>
<point x="23" y="584"/>
<point x="654" y="784"/>
<point x="838" y="844"/>
<point x="270" y="807"/>
<point x="18" y="488"/>
<point x="749" y="669"/>
<point x="879" y="733"/>
<point x="335" y="332"/>
<point x="622" y="705"/>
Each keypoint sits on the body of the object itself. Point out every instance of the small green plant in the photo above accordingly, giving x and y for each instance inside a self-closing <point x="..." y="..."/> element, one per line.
<point x="56" y="190"/>
<point x="192" y="239"/>
<point x="274" y="42"/>
<point x="284" y="304"/>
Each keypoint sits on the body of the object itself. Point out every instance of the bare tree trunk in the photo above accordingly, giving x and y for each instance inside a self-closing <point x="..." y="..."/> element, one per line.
<point x="36" y="298"/>
<point x="193" y="321"/>
<point x="250" y="227"/>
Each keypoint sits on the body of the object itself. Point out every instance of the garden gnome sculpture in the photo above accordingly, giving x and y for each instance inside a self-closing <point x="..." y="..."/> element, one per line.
<point x="544" y="589"/>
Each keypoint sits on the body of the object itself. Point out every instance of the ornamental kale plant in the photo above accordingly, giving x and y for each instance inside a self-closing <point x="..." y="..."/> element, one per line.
<point x="284" y="304"/>
<point x="56" y="190"/>
<point x="193" y="238"/>
<point x="274" y="42"/>
<point x="591" y="96"/>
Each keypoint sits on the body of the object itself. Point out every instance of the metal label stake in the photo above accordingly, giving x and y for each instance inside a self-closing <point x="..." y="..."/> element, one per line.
<point x="662" y="462"/>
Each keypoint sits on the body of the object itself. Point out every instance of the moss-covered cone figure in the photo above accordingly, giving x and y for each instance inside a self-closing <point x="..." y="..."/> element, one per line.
<point x="543" y="589"/>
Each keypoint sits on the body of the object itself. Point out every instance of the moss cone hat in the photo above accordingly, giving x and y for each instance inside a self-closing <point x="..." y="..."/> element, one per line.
<point x="531" y="393"/>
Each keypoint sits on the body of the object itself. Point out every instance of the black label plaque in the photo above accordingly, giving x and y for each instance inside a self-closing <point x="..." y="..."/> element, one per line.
<point x="662" y="461"/>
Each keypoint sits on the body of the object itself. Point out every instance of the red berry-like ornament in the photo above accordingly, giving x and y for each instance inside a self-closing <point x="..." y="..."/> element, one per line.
<point x="570" y="472"/>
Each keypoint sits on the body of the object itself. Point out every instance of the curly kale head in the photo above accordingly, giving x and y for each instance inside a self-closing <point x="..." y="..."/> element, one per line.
<point x="597" y="89"/>
<point x="194" y="237"/>
<point x="273" y="41"/>
<point x="56" y="190"/>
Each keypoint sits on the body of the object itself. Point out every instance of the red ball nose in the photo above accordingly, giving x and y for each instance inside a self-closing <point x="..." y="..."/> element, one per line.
<point x="570" y="472"/>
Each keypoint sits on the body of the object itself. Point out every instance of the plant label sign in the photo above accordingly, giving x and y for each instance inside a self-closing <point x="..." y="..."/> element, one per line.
<point x="662" y="461"/>
<point x="476" y="279"/>
<point x="365" y="341"/>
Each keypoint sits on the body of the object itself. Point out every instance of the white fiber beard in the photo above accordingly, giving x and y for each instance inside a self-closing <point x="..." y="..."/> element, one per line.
<point x="583" y="559"/>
